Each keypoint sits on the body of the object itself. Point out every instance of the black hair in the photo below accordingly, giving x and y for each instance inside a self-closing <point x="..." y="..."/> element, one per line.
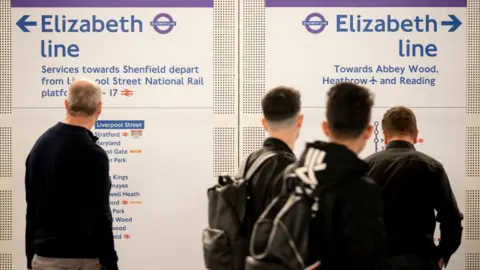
<point x="281" y="103"/>
<point x="349" y="109"/>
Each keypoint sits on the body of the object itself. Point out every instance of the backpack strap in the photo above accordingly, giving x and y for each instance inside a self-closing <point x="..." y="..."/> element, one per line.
<point x="243" y="173"/>
<point x="257" y="163"/>
<point x="242" y="168"/>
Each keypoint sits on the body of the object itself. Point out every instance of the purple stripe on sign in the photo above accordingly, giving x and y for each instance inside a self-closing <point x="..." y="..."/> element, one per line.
<point x="111" y="3"/>
<point x="365" y="3"/>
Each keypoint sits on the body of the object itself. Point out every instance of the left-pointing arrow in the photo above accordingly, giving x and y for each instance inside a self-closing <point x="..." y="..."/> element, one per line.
<point x="22" y="23"/>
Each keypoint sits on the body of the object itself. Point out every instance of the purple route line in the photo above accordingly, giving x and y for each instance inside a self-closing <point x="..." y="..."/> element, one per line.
<point x="365" y="3"/>
<point x="112" y="3"/>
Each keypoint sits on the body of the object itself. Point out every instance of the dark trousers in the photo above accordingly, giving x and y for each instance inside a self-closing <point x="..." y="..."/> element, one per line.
<point x="412" y="262"/>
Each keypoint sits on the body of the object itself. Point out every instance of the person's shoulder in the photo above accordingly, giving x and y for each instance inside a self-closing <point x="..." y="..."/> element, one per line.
<point x="362" y="186"/>
<point x="377" y="156"/>
<point x="274" y="165"/>
<point x="90" y="150"/>
<point x="276" y="155"/>
<point x="286" y="156"/>
<point x="429" y="161"/>
<point x="47" y="137"/>
<point x="362" y="192"/>
<point x="278" y="162"/>
<point x="48" y="144"/>
<point x="97" y="151"/>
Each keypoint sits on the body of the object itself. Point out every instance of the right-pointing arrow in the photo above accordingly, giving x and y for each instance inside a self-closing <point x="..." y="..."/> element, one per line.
<point x="454" y="23"/>
<point x="22" y="23"/>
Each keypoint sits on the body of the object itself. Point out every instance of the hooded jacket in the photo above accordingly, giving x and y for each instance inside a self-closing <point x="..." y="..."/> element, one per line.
<point x="354" y="212"/>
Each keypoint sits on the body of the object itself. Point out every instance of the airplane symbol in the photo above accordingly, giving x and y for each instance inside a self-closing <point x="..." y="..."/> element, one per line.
<point x="373" y="81"/>
<point x="126" y="92"/>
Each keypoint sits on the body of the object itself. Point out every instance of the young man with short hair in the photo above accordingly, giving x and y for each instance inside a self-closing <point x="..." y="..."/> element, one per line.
<point x="415" y="185"/>
<point x="282" y="120"/>
<point x="351" y="234"/>
<point x="236" y="204"/>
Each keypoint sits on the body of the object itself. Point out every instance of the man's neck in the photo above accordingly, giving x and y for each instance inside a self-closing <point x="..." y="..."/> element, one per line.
<point x="286" y="138"/>
<point x="401" y="138"/>
<point x="79" y="121"/>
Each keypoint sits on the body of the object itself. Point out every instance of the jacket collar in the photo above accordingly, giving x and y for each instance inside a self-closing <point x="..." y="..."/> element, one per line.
<point x="400" y="144"/>
<point x="340" y="155"/>
<point x="276" y="145"/>
<point x="340" y="161"/>
<point x="74" y="130"/>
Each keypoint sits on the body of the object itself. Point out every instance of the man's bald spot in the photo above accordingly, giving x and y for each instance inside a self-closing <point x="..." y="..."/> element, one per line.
<point x="84" y="84"/>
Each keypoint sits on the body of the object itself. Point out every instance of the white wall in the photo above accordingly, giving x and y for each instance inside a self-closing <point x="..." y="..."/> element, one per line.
<point x="247" y="59"/>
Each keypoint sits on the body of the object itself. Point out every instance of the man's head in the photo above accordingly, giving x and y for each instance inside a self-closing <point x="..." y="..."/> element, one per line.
<point x="84" y="101"/>
<point x="400" y="123"/>
<point x="281" y="113"/>
<point x="349" y="108"/>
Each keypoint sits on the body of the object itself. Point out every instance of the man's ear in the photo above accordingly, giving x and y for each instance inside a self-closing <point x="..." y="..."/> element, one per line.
<point x="325" y="129"/>
<point x="65" y="103"/>
<point x="99" y="108"/>
<point x="415" y="137"/>
<point x="368" y="132"/>
<point x="264" y="124"/>
<point x="300" y="119"/>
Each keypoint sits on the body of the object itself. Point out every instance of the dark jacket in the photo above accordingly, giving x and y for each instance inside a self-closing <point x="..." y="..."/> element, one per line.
<point x="414" y="186"/>
<point x="354" y="212"/>
<point x="67" y="187"/>
<point x="266" y="183"/>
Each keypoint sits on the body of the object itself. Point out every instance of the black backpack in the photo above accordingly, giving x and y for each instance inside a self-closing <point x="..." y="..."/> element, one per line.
<point x="281" y="236"/>
<point x="225" y="241"/>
